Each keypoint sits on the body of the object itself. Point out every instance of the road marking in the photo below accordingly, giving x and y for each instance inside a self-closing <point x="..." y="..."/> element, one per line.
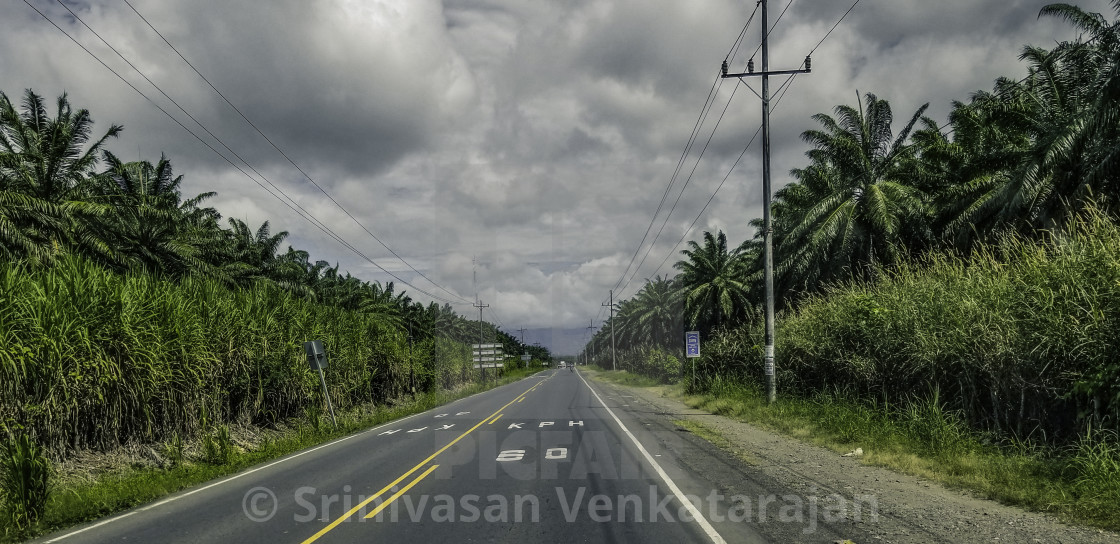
<point x="696" y="515"/>
<point x="236" y="476"/>
<point x="362" y="504"/>
<point x="401" y="492"/>
<point x="260" y="468"/>
<point x="495" y="419"/>
<point x="511" y="455"/>
<point x="522" y="398"/>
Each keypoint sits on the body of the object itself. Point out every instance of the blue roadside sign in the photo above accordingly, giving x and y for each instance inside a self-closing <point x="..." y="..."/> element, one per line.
<point x="692" y="344"/>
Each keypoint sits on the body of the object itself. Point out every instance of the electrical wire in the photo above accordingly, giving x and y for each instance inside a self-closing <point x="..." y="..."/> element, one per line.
<point x="285" y="155"/>
<point x="708" y="101"/>
<point x="771" y="29"/>
<point x="296" y="208"/>
<point x="701" y="119"/>
<point x="779" y="94"/>
<point x="683" y="187"/>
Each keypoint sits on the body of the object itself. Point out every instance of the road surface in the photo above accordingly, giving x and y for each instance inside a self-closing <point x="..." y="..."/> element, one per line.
<point x="551" y="458"/>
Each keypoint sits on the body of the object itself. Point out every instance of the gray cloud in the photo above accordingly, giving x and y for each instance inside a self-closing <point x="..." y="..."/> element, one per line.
<point x="535" y="137"/>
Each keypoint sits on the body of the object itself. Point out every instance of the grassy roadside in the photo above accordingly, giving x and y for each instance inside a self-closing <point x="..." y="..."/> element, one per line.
<point x="75" y="502"/>
<point x="622" y="377"/>
<point x="1080" y="484"/>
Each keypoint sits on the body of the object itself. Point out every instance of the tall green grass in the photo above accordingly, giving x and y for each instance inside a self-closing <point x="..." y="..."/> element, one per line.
<point x="1020" y="339"/>
<point x="24" y="481"/>
<point x="648" y="361"/>
<point x="92" y="359"/>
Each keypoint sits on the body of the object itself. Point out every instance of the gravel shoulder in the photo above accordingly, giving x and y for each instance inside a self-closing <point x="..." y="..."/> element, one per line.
<point x="910" y="509"/>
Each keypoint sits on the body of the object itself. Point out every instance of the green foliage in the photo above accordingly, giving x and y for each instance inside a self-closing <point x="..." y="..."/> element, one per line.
<point x="174" y="450"/>
<point x="1095" y="459"/>
<point x="91" y="358"/>
<point x="217" y="446"/>
<point x="24" y="480"/>
<point x="1018" y="339"/>
<point x="651" y="362"/>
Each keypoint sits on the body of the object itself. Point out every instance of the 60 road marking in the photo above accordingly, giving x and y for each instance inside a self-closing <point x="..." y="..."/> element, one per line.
<point x="362" y="504"/>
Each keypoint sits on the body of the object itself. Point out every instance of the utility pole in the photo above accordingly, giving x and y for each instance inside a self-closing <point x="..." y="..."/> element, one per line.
<point x="481" y="364"/>
<point x="411" y="374"/>
<point x="613" y="365"/>
<point x="523" y="350"/>
<point x="587" y="350"/>
<point x="767" y="225"/>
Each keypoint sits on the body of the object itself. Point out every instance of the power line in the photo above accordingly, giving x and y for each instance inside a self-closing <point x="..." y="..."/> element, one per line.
<point x="826" y="35"/>
<point x="672" y="179"/>
<point x="776" y="21"/>
<point x="494" y="314"/>
<point x="708" y="101"/>
<point x="683" y="187"/>
<point x="177" y="105"/>
<point x="299" y="210"/>
<point x="282" y="153"/>
<point x="780" y="93"/>
<point x="708" y="203"/>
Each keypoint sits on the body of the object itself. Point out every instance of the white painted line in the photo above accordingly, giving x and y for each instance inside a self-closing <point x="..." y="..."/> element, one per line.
<point x="692" y="510"/>
<point x="250" y="471"/>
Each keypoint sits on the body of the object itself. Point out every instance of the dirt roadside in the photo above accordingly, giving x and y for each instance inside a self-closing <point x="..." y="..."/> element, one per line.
<point x="905" y="502"/>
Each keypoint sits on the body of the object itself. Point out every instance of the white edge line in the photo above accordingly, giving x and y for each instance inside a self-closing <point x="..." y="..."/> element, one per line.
<point x="250" y="471"/>
<point x="696" y="515"/>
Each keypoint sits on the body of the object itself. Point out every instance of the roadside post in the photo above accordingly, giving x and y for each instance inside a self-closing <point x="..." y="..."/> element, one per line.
<point x="317" y="358"/>
<point x="692" y="351"/>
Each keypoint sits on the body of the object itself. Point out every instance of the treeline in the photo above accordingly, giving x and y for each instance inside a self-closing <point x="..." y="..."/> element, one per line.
<point x="949" y="214"/>
<point x="131" y="312"/>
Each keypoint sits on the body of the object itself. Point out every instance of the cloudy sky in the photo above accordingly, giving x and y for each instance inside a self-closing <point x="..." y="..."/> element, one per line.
<point x="525" y="142"/>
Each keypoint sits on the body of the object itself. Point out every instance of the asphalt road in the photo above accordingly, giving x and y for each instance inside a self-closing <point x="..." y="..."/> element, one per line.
<point x="551" y="458"/>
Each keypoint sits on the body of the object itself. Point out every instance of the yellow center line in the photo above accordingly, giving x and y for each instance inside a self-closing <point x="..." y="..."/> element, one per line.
<point x="495" y="419"/>
<point x="362" y="504"/>
<point x="401" y="492"/>
<point x="520" y="399"/>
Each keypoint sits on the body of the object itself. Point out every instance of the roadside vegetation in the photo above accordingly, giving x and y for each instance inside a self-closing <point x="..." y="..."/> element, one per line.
<point x="134" y="317"/>
<point x="948" y="295"/>
<point x="221" y="451"/>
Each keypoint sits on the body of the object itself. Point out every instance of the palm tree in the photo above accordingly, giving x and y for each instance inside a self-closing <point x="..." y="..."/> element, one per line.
<point x="150" y="224"/>
<point x="658" y="313"/>
<point x="713" y="282"/>
<point x="1035" y="151"/>
<point x="855" y="203"/>
<point x="250" y="256"/>
<point x="48" y="162"/>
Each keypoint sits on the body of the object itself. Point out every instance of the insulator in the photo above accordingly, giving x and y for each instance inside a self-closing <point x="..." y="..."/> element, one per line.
<point x="750" y="66"/>
<point x="723" y="69"/>
<point x="808" y="62"/>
